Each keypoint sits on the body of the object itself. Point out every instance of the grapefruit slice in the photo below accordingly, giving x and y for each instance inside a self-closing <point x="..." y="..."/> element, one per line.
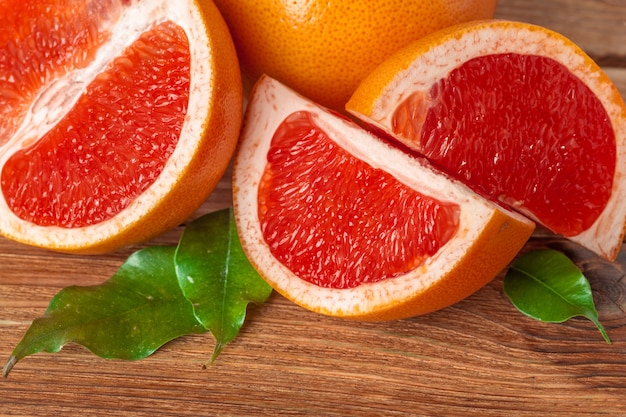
<point x="118" y="118"/>
<point x="346" y="225"/>
<point x="519" y="113"/>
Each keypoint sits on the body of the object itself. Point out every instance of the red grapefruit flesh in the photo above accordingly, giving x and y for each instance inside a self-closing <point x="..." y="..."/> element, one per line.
<point x="113" y="144"/>
<point x="499" y="118"/>
<point x="41" y="41"/>
<point x="353" y="234"/>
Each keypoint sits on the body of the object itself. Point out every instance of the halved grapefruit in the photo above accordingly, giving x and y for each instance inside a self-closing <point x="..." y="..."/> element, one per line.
<point x="118" y="118"/>
<point x="344" y="224"/>
<point x="519" y="113"/>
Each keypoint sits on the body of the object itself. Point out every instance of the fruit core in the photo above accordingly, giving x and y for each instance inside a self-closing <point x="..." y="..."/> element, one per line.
<point x="521" y="129"/>
<point x="114" y="141"/>
<point x="336" y="221"/>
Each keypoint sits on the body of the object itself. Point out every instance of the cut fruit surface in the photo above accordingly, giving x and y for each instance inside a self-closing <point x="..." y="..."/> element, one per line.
<point x="358" y="232"/>
<point x="517" y="112"/>
<point x="118" y="119"/>
<point x="343" y="224"/>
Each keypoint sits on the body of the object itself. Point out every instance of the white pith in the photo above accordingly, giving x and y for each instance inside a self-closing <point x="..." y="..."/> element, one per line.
<point x="605" y="235"/>
<point x="55" y="102"/>
<point x="269" y="106"/>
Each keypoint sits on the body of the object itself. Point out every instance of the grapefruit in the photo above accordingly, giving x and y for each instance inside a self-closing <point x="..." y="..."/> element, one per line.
<point x="323" y="48"/>
<point x="519" y="113"/>
<point x="117" y="118"/>
<point x="346" y="225"/>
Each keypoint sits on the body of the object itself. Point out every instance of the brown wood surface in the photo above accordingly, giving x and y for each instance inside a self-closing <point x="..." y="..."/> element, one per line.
<point x="480" y="357"/>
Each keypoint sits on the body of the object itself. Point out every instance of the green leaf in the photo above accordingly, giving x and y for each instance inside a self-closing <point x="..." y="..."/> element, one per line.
<point x="131" y="315"/>
<point x="546" y="285"/>
<point x="216" y="276"/>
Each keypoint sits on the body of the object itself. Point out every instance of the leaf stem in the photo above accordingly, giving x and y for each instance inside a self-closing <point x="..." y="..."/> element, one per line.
<point x="8" y="366"/>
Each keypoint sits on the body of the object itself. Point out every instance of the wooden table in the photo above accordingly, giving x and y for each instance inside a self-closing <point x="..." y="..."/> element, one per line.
<point x="480" y="357"/>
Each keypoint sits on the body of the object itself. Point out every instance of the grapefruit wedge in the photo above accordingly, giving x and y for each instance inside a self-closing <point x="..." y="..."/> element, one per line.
<point x="520" y="114"/>
<point x="344" y="224"/>
<point x="118" y="118"/>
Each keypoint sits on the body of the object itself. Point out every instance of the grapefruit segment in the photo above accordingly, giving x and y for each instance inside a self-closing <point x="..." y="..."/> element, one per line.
<point x="120" y="118"/>
<point x="343" y="224"/>
<point x="517" y="112"/>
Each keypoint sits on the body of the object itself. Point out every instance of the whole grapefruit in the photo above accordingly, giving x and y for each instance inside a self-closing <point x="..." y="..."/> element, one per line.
<point x="323" y="48"/>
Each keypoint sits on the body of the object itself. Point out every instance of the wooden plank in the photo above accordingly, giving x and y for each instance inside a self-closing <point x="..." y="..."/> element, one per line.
<point x="597" y="26"/>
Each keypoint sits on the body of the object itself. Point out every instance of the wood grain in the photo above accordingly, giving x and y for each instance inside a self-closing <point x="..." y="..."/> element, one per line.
<point x="596" y="25"/>
<point x="479" y="357"/>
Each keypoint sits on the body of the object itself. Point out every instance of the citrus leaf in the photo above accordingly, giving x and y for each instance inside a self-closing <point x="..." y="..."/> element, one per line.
<point x="129" y="316"/>
<point x="547" y="286"/>
<point x="216" y="276"/>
